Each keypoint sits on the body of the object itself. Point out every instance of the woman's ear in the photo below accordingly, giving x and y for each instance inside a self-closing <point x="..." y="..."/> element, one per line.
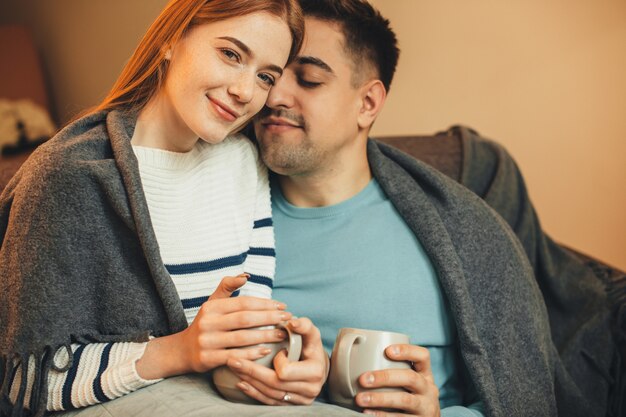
<point x="373" y="96"/>
<point x="166" y="51"/>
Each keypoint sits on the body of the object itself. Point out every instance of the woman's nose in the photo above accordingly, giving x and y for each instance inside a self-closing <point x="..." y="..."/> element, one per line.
<point x="243" y="87"/>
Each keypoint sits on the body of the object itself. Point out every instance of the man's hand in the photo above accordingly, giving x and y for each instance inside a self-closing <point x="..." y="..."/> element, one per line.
<point x="417" y="395"/>
<point x="288" y="383"/>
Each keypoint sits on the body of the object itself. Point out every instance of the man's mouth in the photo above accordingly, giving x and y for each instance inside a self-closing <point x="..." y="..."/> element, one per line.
<point x="279" y="123"/>
<point x="223" y="110"/>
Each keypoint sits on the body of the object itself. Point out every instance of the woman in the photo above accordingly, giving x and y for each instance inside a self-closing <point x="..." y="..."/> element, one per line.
<point x="116" y="231"/>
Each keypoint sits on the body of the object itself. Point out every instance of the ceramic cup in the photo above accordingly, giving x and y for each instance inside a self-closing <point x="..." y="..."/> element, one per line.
<point x="357" y="351"/>
<point x="226" y="380"/>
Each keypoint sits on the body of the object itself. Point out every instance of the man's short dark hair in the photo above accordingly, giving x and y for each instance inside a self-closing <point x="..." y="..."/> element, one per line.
<point x="369" y="37"/>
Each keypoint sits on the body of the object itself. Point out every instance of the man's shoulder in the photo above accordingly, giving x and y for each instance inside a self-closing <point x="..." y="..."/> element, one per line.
<point x="411" y="183"/>
<point x="460" y="152"/>
<point x="484" y="160"/>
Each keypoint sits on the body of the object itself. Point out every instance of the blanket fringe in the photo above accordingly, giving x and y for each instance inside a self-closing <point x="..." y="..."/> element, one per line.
<point x="40" y="365"/>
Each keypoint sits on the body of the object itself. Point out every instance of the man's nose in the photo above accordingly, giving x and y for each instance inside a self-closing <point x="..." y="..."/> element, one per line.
<point x="282" y="93"/>
<point x="243" y="87"/>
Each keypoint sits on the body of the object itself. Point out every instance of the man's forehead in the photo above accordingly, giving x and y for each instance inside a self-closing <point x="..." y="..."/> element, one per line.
<point x="323" y="45"/>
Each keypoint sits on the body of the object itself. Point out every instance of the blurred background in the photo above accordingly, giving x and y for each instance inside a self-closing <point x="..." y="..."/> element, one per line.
<point x="547" y="79"/>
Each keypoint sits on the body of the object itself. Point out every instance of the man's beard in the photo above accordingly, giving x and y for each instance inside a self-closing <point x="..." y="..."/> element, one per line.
<point x="285" y="156"/>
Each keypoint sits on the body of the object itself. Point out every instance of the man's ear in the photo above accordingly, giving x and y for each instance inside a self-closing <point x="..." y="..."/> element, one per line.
<point x="373" y="96"/>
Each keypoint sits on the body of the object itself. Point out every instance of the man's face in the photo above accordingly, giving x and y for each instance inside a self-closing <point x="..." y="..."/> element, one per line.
<point x="309" y="125"/>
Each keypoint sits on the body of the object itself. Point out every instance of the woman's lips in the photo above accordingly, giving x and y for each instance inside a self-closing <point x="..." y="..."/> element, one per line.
<point x="223" y="110"/>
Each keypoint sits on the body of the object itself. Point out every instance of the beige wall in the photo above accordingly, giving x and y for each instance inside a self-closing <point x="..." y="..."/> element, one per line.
<point x="545" y="78"/>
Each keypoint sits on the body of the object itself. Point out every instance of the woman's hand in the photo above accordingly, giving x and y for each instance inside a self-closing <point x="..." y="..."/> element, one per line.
<point x="288" y="383"/>
<point x="219" y="332"/>
<point x="228" y="285"/>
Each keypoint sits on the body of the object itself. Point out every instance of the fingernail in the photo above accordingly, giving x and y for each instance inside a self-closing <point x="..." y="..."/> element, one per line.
<point x="280" y="334"/>
<point x="395" y="350"/>
<point x="365" y="399"/>
<point x="285" y="316"/>
<point x="243" y="386"/>
<point x="280" y="306"/>
<point x="369" y="379"/>
<point x="236" y="364"/>
<point x="266" y="351"/>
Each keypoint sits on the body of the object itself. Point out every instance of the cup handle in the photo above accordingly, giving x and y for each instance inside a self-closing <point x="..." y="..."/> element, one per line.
<point x="294" y="349"/>
<point x="343" y="352"/>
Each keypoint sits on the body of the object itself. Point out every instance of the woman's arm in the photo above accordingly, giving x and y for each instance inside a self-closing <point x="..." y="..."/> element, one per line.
<point x="100" y="372"/>
<point x="260" y="261"/>
<point x="220" y="331"/>
<point x="104" y="371"/>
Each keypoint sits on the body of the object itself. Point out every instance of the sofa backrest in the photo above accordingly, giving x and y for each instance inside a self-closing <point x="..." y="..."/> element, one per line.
<point x="442" y="151"/>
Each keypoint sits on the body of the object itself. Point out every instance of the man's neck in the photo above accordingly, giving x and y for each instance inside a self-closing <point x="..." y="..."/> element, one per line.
<point x="332" y="185"/>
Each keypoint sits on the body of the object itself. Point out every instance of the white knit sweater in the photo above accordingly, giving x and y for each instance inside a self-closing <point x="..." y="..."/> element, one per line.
<point x="211" y="213"/>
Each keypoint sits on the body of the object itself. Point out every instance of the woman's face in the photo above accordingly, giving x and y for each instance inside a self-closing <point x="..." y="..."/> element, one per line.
<point x="219" y="76"/>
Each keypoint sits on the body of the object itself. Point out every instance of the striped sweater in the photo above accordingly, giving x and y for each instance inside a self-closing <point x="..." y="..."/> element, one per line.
<point x="211" y="213"/>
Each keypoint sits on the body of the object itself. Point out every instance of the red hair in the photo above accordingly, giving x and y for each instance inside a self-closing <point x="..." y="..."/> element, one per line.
<point x="145" y="71"/>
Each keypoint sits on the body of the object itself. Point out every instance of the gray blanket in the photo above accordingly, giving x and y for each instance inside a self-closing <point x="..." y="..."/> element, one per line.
<point x="502" y="321"/>
<point x="79" y="263"/>
<point x="194" y="396"/>
<point x="574" y="291"/>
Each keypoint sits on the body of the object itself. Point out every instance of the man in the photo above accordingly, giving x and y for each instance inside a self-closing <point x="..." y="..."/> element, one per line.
<point x="367" y="237"/>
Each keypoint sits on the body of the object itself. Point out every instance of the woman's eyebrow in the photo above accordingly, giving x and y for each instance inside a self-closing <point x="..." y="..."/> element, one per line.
<point x="240" y="44"/>
<point x="249" y="52"/>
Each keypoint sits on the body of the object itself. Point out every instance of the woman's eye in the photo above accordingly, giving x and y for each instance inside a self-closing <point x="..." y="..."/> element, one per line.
<point x="231" y="55"/>
<point x="267" y="79"/>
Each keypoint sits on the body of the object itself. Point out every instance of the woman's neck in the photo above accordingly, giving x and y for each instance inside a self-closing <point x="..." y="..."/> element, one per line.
<point x="159" y="127"/>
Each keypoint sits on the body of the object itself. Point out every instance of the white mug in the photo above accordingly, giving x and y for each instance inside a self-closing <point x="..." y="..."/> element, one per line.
<point x="226" y="380"/>
<point x="357" y="351"/>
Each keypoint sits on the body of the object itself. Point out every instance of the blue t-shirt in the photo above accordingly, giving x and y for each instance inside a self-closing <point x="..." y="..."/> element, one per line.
<point x="335" y="264"/>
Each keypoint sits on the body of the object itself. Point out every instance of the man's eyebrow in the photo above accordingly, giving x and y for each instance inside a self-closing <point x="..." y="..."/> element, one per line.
<point x="249" y="52"/>
<point x="311" y="60"/>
